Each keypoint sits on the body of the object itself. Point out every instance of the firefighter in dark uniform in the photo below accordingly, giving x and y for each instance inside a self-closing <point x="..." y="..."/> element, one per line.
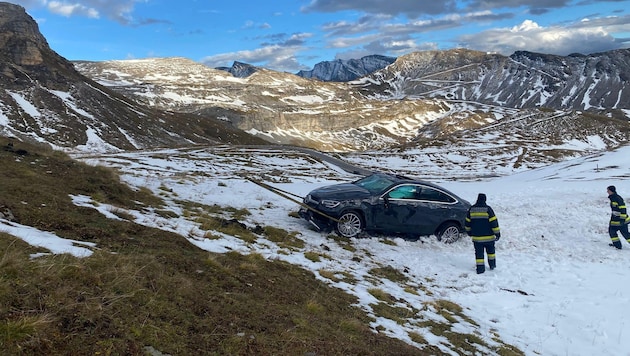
<point x="483" y="226"/>
<point x="619" y="218"/>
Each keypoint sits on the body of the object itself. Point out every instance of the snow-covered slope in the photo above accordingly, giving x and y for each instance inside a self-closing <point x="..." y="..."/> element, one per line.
<point x="559" y="289"/>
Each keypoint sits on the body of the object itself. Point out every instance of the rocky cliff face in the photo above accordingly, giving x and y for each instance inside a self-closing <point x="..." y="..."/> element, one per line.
<point x="25" y="54"/>
<point x="346" y="70"/>
<point x="240" y="69"/>
<point x="43" y="98"/>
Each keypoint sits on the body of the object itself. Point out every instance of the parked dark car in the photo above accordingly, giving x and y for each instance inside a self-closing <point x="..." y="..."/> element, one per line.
<point x="387" y="204"/>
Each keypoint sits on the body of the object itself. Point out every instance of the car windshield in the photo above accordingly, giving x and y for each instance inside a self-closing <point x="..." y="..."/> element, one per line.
<point x="374" y="183"/>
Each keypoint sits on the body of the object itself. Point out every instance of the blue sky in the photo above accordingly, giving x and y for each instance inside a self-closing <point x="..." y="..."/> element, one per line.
<point x="287" y="35"/>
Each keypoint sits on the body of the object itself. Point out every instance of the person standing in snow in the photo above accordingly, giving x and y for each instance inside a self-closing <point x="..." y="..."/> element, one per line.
<point x="483" y="226"/>
<point x="619" y="218"/>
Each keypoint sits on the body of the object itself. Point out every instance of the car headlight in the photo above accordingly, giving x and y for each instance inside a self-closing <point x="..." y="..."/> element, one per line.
<point x="330" y="204"/>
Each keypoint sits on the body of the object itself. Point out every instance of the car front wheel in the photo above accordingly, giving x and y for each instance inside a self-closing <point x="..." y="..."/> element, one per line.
<point x="449" y="233"/>
<point x="350" y="224"/>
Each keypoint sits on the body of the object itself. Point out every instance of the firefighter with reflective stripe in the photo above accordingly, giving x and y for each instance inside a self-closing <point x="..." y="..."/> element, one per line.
<point x="483" y="226"/>
<point x="619" y="218"/>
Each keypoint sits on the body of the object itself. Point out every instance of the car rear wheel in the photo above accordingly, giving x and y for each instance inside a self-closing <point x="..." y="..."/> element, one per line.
<point x="449" y="233"/>
<point x="350" y="224"/>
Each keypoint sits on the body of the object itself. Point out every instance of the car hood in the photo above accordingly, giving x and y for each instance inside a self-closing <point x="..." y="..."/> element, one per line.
<point x="341" y="191"/>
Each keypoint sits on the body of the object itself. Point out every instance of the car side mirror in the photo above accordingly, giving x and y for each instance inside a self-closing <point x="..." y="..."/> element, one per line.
<point x="386" y="201"/>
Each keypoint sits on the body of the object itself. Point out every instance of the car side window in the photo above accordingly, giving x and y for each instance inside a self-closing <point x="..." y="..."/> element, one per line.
<point x="404" y="192"/>
<point x="435" y="195"/>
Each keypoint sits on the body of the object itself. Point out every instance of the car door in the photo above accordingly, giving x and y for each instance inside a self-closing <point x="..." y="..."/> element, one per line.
<point x="413" y="208"/>
<point x="400" y="210"/>
<point x="434" y="209"/>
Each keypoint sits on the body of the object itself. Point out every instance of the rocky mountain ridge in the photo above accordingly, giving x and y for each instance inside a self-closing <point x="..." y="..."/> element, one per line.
<point x="382" y="110"/>
<point x="341" y="70"/>
<point x="43" y="98"/>
<point x="240" y="69"/>
<point x="598" y="82"/>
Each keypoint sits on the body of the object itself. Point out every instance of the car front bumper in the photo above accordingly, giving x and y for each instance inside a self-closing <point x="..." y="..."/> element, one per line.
<point x="319" y="222"/>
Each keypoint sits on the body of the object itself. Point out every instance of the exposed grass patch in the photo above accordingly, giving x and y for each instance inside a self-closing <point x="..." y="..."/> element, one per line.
<point x="411" y="290"/>
<point x="229" y="227"/>
<point x="508" y="350"/>
<point x="123" y="214"/>
<point x="415" y="337"/>
<point x="340" y="276"/>
<point x="282" y="237"/>
<point x="198" y="209"/>
<point x="381" y="295"/>
<point x="388" y="242"/>
<point x="167" y="214"/>
<point x="313" y="256"/>
<point x="468" y="343"/>
<point x="396" y="313"/>
<point x="346" y="244"/>
<point x="329" y="275"/>
<point x="449" y="309"/>
<point x="210" y="236"/>
<point x="390" y="273"/>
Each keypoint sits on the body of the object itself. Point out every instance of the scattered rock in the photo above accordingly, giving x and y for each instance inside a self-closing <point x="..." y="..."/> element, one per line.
<point x="6" y="214"/>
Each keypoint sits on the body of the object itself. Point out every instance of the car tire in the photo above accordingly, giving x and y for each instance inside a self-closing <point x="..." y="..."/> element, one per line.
<point x="350" y="224"/>
<point x="449" y="233"/>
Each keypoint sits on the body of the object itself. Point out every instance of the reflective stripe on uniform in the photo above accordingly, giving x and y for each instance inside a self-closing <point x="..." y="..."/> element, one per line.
<point x="483" y="238"/>
<point x="479" y="215"/>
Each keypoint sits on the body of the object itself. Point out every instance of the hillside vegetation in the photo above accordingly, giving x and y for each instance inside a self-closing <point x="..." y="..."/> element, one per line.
<point x="147" y="291"/>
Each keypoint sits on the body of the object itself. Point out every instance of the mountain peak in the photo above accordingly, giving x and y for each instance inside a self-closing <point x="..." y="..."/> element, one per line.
<point x="20" y="38"/>
<point x="345" y="70"/>
<point x="26" y="55"/>
<point x="241" y="70"/>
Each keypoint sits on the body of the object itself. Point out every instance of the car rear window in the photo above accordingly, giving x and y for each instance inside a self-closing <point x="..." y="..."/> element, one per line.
<point x="431" y="194"/>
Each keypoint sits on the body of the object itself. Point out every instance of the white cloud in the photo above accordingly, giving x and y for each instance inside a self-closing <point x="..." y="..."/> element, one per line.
<point x="67" y="10"/>
<point x="117" y="10"/>
<point x="532" y="37"/>
<point x="273" y="57"/>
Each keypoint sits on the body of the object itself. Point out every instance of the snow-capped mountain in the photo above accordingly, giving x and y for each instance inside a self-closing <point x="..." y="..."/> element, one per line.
<point x="363" y="115"/>
<point x="43" y="98"/>
<point x="341" y="70"/>
<point x="142" y="103"/>
<point x="597" y="82"/>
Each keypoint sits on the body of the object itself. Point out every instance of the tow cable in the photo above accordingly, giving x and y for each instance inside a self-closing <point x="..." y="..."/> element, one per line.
<point x="288" y="195"/>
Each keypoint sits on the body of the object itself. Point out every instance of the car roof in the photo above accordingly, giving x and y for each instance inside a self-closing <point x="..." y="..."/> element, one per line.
<point x="399" y="178"/>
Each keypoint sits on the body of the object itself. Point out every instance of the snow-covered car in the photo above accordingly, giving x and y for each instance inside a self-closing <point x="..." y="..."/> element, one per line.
<point x="386" y="204"/>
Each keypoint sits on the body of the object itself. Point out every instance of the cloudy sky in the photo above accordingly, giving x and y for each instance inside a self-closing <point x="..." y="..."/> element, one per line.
<point x="289" y="35"/>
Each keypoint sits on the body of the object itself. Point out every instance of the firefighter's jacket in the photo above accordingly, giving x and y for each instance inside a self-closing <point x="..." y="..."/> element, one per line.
<point x="481" y="224"/>
<point x="619" y="216"/>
